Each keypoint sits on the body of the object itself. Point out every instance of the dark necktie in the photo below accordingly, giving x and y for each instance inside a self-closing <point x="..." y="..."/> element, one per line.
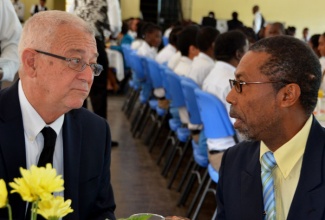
<point x="46" y="157"/>
<point x="49" y="144"/>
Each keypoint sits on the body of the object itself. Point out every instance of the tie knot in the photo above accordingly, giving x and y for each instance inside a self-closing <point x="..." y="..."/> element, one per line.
<point x="49" y="134"/>
<point x="268" y="161"/>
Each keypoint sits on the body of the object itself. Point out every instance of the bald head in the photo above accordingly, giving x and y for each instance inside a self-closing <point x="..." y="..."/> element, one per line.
<point x="41" y="30"/>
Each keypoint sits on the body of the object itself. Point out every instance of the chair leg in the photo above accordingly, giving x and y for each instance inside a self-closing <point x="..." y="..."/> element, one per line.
<point x="165" y="146"/>
<point x="170" y="158"/>
<point x="198" y="191"/>
<point x="180" y="159"/>
<point x="160" y="122"/>
<point x="138" y="118"/>
<point x="214" y="214"/>
<point x="188" y="187"/>
<point x="185" y="174"/>
<point x="198" y="207"/>
<point x="132" y="103"/>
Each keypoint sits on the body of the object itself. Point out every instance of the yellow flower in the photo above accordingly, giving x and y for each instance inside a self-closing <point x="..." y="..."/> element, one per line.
<point x="37" y="183"/>
<point x="3" y="194"/>
<point x="54" y="208"/>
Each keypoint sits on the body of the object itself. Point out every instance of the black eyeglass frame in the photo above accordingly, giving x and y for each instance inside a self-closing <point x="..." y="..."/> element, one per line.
<point x="239" y="89"/>
<point x="95" y="67"/>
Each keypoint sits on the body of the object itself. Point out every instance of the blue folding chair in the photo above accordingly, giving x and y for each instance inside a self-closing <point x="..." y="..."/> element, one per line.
<point x="216" y="125"/>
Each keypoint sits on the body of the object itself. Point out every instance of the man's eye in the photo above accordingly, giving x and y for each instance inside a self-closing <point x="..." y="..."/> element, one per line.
<point x="75" y="61"/>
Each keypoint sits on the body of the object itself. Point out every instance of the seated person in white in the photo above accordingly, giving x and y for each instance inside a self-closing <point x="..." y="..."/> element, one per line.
<point x="186" y="43"/>
<point x="204" y="62"/>
<point x="229" y="49"/>
<point x="170" y="49"/>
<point x="152" y="40"/>
<point x="135" y="45"/>
<point x="321" y="49"/>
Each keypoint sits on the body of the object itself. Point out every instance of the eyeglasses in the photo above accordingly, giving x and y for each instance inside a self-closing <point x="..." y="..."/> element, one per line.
<point x="76" y="63"/>
<point x="239" y="84"/>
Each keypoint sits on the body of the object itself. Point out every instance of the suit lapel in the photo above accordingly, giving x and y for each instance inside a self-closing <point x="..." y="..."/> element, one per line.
<point x="308" y="201"/>
<point x="12" y="141"/>
<point x="251" y="188"/>
<point x="72" y="134"/>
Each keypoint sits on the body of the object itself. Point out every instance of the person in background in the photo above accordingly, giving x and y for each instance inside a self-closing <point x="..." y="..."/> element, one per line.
<point x="209" y="20"/>
<point x="152" y="39"/>
<point x="19" y="9"/>
<point x="101" y="24"/>
<point x="234" y="23"/>
<point x="204" y="62"/>
<point x="305" y="35"/>
<point x="58" y="57"/>
<point x="321" y="49"/>
<point x="10" y="31"/>
<point x="291" y="31"/>
<point x="229" y="49"/>
<point x="313" y="43"/>
<point x="278" y="173"/>
<point x="170" y="49"/>
<point x="258" y="21"/>
<point x="136" y="44"/>
<point x="38" y="7"/>
<point x="275" y="29"/>
<point x="133" y="27"/>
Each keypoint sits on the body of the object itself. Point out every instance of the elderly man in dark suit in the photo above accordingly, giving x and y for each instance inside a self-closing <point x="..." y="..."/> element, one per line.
<point x="278" y="173"/>
<point x="58" y="64"/>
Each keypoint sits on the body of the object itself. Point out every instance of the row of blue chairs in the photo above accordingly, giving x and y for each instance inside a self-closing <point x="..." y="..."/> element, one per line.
<point x="203" y="108"/>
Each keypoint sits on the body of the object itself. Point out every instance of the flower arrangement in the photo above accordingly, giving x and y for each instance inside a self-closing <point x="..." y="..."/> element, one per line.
<point x="37" y="186"/>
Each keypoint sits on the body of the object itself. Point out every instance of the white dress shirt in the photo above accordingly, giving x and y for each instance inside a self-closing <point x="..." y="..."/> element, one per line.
<point x="174" y="60"/>
<point x="147" y="51"/>
<point x="165" y="54"/>
<point x="136" y="44"/>
<point x="9" y="37"/>
<point x="34" y="140"/>
<point x="322" y="62"/>
<point x="201" y="67"/>
<point x="184" y="66"/>
<point x="257" y="22"/>
<point x="217" y="83"/>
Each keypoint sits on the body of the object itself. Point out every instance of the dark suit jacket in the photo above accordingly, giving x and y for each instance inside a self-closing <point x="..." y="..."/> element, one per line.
<point x="86" y="149"/>
<point x="240" y="188"/>
<point x="208" y="21"/>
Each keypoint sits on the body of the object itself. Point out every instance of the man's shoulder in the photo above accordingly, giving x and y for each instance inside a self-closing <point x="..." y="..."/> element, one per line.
<point x="243" y="150"/>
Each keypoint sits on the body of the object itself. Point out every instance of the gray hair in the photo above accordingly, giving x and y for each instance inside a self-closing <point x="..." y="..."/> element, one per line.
<point x="41" y="30"/>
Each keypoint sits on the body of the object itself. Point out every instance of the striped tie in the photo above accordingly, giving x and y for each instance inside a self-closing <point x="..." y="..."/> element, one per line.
<point x="267" y="164"/>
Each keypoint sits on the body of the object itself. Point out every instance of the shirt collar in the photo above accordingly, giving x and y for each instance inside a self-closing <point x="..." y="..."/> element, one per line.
<point x="33" y="122"/>
<point x="293" y="149"/>
<point x="205" y="57"/>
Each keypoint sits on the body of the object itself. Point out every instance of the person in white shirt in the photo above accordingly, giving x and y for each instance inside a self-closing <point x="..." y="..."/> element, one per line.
<point x="152" y="40"/>
<point x="170" y="49"/>
<point x="136" y="44"/>
<point x="19" y="9"/>
<point x="37" y="8"/>
<point x="229" y="49"/>
<point x="10" y="31"/>
<point x="258" y="21"/>
<point x="321" y="48"/>
<point x="204" y="62"/>
<point x="186" y="43"/>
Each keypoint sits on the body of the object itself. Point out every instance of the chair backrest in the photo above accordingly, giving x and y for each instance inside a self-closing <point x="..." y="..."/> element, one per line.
<point x="214" y="115"/>
<point x="154" y="73"/>
<point x="165" y="40"/>
<point x="165" y="84"/>
<point x="175" y="89"/>
<point x="126" y="49"/>
<point x="136" y="65"/>
<point x="188" y="87"/>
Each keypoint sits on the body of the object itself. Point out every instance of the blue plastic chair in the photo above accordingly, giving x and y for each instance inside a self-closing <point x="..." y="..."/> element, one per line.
<point x="165" y="41"/>
<point x="182" y="133"/>
<point x="216" y="125"/>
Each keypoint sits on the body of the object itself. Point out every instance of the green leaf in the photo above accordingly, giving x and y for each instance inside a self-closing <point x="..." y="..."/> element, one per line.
<point x="142" y="217"/>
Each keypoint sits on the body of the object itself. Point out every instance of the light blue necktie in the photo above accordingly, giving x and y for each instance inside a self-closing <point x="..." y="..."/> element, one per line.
<point x="267" y="164"/>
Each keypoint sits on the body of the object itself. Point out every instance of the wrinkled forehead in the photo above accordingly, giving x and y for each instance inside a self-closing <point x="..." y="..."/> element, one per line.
<point x="249" y="67"/>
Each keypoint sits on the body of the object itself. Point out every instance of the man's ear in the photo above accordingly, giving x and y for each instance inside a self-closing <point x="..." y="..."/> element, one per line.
<point x="289" y="95"/>
<point x="239" y="54"/>
<point x="193" y="51"/>
<point x="28" y="61"/>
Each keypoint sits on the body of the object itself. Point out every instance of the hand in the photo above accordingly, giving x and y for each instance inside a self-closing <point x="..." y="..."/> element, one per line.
<point x="176" y="218"/>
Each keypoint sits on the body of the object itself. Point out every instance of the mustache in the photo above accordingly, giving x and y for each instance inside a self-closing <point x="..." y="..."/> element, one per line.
<point x="233" y="114"/>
